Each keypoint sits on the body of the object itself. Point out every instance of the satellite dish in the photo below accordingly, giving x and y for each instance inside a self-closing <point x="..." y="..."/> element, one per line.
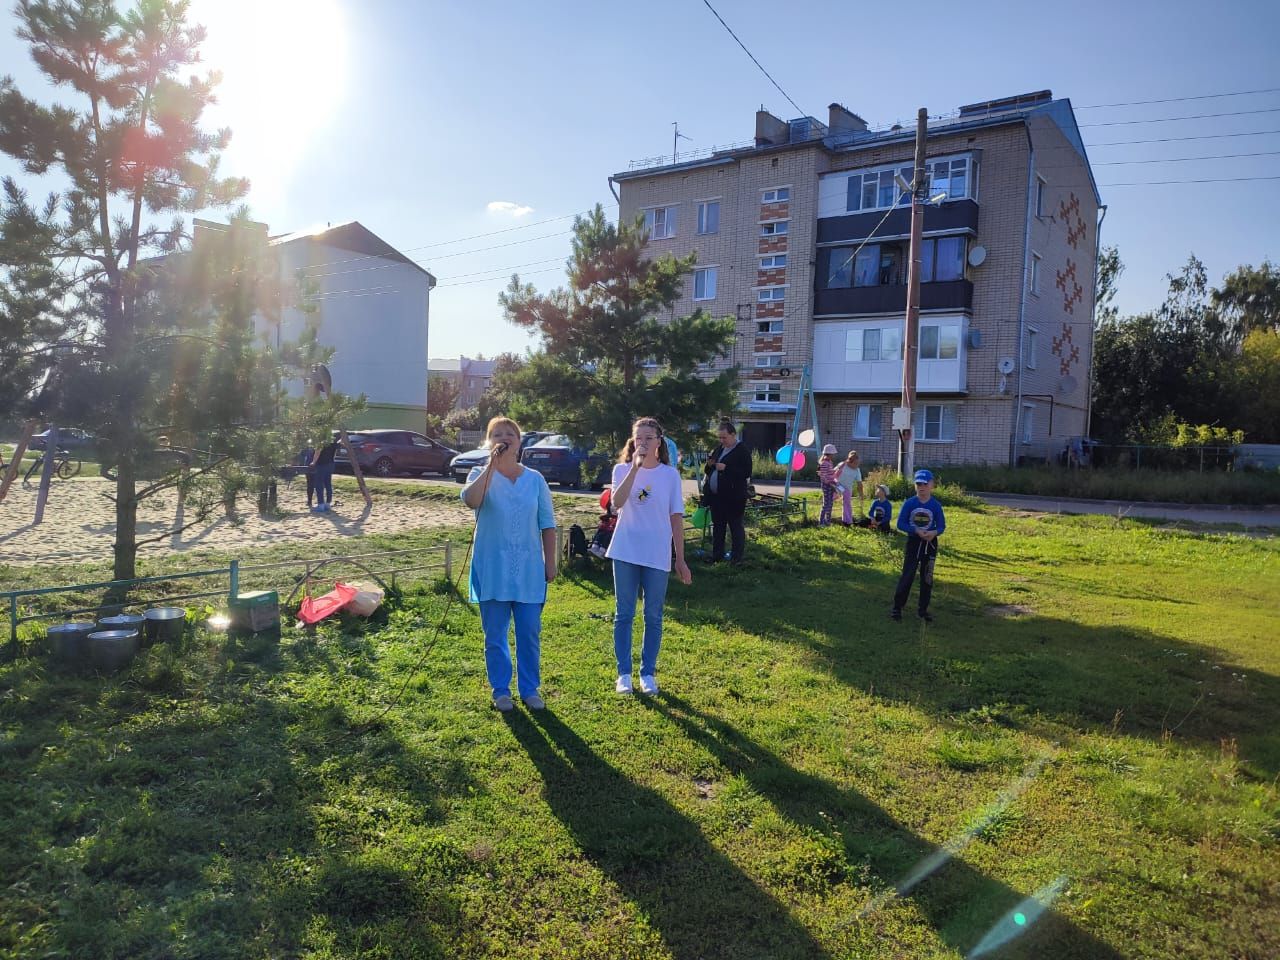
<point x="1067" y="384"/>
<point x="977" y="255"/>
<point x="1006" y="365"/>
<point x="785" y="372"/>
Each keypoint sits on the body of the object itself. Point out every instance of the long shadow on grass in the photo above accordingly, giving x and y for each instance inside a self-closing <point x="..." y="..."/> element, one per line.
<point x="697" y="899"/>
<point x="191" y="807"/>
<point x="1087" y="677"/>
<point x="959" y="902"/>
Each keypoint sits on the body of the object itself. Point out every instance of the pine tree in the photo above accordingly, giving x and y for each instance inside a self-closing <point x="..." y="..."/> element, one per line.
<point x="607" y="355"/>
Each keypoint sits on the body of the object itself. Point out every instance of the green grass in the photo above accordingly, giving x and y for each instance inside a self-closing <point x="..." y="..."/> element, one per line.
<point x="1123" y="483"/>
<point x="1093" y="716"/>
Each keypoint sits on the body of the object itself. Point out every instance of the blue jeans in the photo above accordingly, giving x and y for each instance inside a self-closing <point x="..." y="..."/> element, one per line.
<point x="630" y="580"/>
<point x="324" y="482"/>
<point x="495" y="618"/>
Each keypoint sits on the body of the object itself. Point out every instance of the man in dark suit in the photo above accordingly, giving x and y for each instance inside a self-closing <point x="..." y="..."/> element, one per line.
<point x="725" y="490"/>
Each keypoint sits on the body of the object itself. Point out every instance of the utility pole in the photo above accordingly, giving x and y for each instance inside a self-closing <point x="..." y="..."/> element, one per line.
<point x="904" y="416"/>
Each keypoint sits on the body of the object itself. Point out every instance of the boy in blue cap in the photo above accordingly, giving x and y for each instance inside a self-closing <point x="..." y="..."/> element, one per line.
<point x="922" y="521"/>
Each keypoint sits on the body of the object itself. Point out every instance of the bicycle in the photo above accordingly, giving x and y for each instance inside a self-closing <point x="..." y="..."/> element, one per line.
<point x="65" y="466"/>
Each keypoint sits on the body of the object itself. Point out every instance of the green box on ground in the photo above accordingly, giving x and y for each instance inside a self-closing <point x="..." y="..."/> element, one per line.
<point x="255" y="611"/>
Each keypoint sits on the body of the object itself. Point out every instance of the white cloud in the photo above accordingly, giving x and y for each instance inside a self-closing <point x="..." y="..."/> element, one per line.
<point x="509" y="208"/>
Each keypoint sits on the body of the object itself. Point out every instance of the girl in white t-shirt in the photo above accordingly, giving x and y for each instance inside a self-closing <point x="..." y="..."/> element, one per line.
<point x="849" y="477"/>
<point x="650" y="507"/>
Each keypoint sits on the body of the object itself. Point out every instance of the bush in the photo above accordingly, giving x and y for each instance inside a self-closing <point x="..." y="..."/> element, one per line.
<point x="1118" y="483"/>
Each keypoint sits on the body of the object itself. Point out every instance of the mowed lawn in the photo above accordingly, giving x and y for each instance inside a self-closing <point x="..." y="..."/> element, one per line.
<point x="1078" y="759"/>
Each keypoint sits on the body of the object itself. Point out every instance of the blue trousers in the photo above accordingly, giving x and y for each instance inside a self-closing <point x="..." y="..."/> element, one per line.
<point x="630" y="580"/>
<point x="324" y="482"/>
<point x="495" y="618"/>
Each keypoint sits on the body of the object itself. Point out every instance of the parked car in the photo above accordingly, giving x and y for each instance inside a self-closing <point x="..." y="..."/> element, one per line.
<point x="561" y="460"/>
<point x="388" y="452"/>
<point x="464" y="463"/>
<point x="69" y="439"/>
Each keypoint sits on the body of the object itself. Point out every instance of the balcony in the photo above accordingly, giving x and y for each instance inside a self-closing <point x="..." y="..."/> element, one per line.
<point x="892" y="298"/>
<point x="952" y="216"/>
<point x="865" y="356"/>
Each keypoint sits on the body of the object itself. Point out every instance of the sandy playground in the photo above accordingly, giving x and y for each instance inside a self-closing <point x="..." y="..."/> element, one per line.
<point x="79" y="522"/>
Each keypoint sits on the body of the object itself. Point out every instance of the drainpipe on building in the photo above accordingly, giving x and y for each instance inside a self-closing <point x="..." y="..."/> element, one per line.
<point x="615" y="195"/>
<point x="1022" y="300"/>
<point x="1093" y="323"/>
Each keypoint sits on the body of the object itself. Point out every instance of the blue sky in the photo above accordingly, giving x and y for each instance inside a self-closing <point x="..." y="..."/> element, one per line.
<point x="415" y="118"/>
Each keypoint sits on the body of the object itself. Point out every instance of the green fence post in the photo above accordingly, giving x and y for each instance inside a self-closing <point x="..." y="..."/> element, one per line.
<point x="13" y="618"/>
<point x="234" y="574"/>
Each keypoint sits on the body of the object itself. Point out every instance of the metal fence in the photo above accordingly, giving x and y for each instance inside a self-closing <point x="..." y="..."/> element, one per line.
<point x="289" y="577"/>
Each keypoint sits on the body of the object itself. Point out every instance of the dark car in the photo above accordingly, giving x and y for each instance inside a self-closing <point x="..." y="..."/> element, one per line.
<point x="464" y="463"/>
<point x="561" y="460"/>
<point x="388" y="452"/>
<point x="69" y="439"/>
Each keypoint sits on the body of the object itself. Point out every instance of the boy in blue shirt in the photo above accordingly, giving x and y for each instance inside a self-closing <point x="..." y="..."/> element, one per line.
<point x="922" y="521"/>
<point x="880" y="516"/>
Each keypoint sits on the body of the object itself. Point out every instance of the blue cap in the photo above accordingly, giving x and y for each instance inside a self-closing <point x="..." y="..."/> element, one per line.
<point x="924" y="476"/>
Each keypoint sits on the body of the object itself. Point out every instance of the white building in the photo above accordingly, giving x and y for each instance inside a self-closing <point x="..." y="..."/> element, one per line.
<point x="372" y="304"/>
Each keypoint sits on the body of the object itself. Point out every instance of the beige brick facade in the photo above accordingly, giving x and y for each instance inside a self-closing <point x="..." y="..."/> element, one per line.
<point x="1051" y="364"/>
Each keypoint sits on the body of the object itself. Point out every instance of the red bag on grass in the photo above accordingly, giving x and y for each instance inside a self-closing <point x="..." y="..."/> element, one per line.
<point x="315" y="609"/>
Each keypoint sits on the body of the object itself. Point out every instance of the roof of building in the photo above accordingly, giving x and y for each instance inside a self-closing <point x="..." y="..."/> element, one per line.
<point x="974" y="116"/>
<point x="353" y="236"/>
<point x="461" y="365"/>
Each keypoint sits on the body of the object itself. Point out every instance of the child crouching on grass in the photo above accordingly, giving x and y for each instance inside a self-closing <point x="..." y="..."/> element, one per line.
<point x="827" y="477"/>
<point x="880" y="516"/>
<point x="922" y="521"/>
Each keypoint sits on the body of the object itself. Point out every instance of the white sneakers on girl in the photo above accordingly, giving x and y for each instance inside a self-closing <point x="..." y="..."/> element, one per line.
<point x="624" y="684"/>
<point x="648" y="683"/>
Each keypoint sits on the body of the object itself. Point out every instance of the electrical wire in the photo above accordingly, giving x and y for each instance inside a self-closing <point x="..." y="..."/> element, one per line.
<point x="754" y="60"/>
<point x="1204" y="96"/>
<point x="1196" y="116"/>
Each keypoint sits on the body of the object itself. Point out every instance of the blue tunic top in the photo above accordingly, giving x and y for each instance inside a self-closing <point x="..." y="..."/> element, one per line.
<point x="506" y="557"/>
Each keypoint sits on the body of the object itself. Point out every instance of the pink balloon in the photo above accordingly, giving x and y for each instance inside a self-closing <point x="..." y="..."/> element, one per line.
<point x="797" y="462"/>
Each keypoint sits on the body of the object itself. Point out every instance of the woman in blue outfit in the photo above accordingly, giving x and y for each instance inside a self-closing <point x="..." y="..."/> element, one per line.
<point x="512" y="561"/>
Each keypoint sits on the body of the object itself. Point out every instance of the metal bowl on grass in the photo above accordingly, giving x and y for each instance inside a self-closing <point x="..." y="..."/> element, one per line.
<point x="68" y="641"/>
<point x="111" y="650"/>
<point x="122" y="621"/>
<point x="164" y="624"/>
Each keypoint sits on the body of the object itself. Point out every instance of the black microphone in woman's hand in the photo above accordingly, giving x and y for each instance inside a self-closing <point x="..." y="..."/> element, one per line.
<point x="500" y="448"/>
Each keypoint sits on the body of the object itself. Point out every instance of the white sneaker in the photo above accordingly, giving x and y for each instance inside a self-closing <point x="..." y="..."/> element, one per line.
<point x="648" y="683"/>
<point x="624" y="684"/>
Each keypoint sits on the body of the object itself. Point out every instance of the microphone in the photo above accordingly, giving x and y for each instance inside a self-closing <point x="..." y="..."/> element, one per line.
<point x="500" y="448"/>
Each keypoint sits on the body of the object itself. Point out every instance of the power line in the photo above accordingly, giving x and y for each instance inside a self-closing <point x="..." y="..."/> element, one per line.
<point x="754" y="60"/>
<point x="1156" y="183"/>
<point x="1203" y="136"/>
<point x="1205" y="96"/>
<point x="1196" y="116"/>
<point x="1217" y="156"/>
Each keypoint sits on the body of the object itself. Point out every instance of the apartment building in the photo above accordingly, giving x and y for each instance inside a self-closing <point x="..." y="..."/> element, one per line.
<point x="802" y="236"/>
<point x="472" y="377"/>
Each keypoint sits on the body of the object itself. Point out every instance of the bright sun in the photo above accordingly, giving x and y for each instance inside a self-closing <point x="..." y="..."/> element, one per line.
<point x="283" y="65"/>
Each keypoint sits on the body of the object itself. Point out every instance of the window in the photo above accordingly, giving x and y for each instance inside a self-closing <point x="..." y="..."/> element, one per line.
<point x="781" y="195"/>
<point x="771" y="295"/>
<point x="776" y="262"/>
<point x="866" y="267"/>
<point x="878" y="189"/>
<point x="776" y="229"/>
<point x="940" y="341"/>
<point x="1033" y="341"/>
<point x="704" y="283"/>
<point x="936" y="423"/>
<point x="660" y="222"/>
<point x="1035" y="273"/>
<point x="1028" y="421"/>
<point x="766" y="360"/>
<point x="840" y="268"/>
<point x="948" y="259"/>
<point x="767" y="392"/>
<point x="709" y="216"/>
<point x="866" y="421"/>
<point x="768" y="326"/>
<point x="871" y="343"/>
<point x="1040" y="188"/>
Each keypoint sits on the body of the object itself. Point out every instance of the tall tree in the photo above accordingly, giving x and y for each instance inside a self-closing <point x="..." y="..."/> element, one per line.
<point x="1110" y="267"/>
<point x="1249" y="299"/>
<point x="442" y="394"/>
<point x="132" y="146"/>
<point x="606" y="357"/>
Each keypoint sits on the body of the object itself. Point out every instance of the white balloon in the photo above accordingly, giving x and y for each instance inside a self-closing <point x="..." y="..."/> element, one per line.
<point x="806" y="438"/>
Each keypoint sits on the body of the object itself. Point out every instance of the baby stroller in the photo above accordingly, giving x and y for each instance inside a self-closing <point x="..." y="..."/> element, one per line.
<point x="604" y="529"/>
